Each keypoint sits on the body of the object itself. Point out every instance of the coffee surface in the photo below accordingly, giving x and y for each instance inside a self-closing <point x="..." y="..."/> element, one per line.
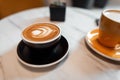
<point x="113" y="14"/>
<point x="41" y="32"/>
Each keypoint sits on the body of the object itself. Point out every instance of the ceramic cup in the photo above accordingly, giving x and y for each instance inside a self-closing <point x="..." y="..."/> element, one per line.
<point x="41" y="35"/>
<point x="109" y="28"/>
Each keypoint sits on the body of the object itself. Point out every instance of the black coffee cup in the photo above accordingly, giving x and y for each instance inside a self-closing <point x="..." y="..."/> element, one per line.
<point x="53" y="41"/>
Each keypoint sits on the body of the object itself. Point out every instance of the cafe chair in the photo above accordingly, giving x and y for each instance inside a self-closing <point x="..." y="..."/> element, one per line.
<point x="8" y="7"/>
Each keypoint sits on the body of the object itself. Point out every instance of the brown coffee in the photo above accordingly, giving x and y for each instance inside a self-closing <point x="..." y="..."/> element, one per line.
<point x="41" y="32"/>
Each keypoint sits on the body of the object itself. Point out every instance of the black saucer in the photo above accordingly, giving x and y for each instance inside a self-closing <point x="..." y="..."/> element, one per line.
<point x="42" y="58"/>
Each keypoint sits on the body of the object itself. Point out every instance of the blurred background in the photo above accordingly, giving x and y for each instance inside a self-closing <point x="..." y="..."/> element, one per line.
<point x="8" y="7"/>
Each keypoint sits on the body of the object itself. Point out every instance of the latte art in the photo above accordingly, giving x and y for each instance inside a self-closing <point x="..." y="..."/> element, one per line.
<point x="41" y="32"/>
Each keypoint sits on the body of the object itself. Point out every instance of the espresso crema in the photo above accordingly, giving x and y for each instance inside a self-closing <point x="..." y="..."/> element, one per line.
<point x="41" y="32"/>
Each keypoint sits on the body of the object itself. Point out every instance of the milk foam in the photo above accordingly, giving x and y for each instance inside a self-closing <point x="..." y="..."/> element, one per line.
<point x="42" y="32"/>
<point x="113" y="15"/>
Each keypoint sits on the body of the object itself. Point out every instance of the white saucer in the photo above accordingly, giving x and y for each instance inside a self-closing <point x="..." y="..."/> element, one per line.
<point x="92" y="41"/>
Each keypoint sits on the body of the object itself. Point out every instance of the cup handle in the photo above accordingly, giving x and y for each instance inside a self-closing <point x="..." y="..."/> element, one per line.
<point x="117" y="47"/>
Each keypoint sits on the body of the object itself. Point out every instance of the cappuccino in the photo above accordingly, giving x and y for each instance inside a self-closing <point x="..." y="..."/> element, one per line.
<point x="113" y="15"/>
<point x="41" y="32"/>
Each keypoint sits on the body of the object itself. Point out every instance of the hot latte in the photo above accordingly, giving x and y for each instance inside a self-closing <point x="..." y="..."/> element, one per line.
<point x="41" y="32"/>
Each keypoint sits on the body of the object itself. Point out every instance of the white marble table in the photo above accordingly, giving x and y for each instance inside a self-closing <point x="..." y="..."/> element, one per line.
<point x="81" y="64"/>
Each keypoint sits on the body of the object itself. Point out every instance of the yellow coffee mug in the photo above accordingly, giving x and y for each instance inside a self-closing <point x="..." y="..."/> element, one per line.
<point x="109" y="28"/>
